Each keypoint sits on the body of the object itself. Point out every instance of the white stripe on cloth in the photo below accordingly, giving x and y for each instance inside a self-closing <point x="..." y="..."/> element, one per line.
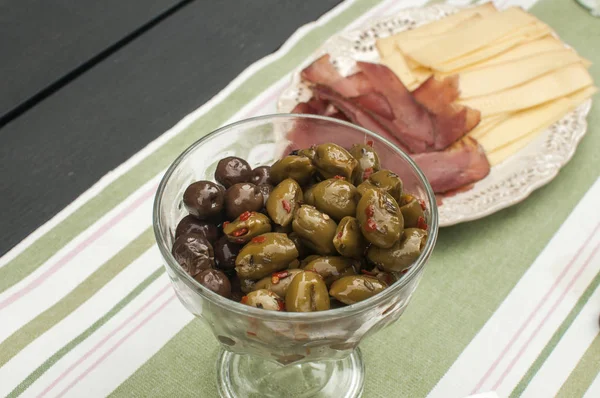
<point x="36" y="353"/>
<point x="76" y="261"/>
<point x="594" y="390"/>
<point x="569" y="351"/>
<point x="513" y="337"/>
<point x="89" y="358"/>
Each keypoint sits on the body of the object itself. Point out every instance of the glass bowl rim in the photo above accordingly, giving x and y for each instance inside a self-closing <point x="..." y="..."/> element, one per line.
<point x="247" y="310"/>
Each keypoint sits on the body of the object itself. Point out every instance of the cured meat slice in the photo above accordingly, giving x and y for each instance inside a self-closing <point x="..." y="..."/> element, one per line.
<point x="412" y="118"/>
<point x="460" y="164"/>
<point x="375" y="103"/>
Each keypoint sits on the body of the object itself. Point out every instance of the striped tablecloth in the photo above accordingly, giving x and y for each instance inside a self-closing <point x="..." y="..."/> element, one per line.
<point x="508" y="304"/>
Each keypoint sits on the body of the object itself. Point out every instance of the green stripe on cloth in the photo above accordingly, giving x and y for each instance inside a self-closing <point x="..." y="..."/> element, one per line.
<point x="36" y="374"/>
<point x="584" y="374"/>
<point x="184" y="367"/>
<point x="535" y="367"/>
<point x="43" y="322"/>
<point x="42" y="249"/>
<point x="473" y="268"/>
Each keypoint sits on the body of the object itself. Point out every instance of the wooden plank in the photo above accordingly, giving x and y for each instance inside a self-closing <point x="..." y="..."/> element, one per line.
<point x="58" y="149"/>
<point x="43" y="41"/>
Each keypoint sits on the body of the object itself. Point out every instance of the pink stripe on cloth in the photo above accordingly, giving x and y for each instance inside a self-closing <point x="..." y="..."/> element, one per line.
<point x="104" y="340"/>
<point x="534" y="312"/>
<point x="78" y="249"/>
<point x="537" y="329"/>
<point x="117" y="345"/>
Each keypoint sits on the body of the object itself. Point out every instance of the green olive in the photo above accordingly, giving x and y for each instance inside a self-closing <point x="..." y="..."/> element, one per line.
<point x="355" y="288"/>
<point x="335" y="197"/>
<point x="308" y="152"/>
<point x="309" y="195"/>
<point x="278" y="282"/>
<point x="380" y="218"/>
<point x="368" y="162"/>
<point x="264" y="255"/>
<point x="263" y="299"/>
<point x="333" y="160"/>
<point x="283" y="201"/>
<point x="307" y="293"/>
<point x="402" y="254"/>
<point x="299" y="168"/>
<point x="332" y="268"/>
<point x="302" y="249"/>
<point x="385" y="180"/>
<point x="247" y="285"/>
<point x="349" y="240"/>
<point x="308" y="259"/>
<point x="316" y="229"/>
<point x="247" y="226"/>
<point x="411" y="211"/>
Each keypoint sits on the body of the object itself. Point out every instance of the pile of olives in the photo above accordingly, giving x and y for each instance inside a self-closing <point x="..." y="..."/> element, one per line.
<point x="321" y="228"/>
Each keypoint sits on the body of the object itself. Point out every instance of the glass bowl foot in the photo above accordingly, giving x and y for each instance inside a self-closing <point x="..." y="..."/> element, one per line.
<point x="248" y="376"/>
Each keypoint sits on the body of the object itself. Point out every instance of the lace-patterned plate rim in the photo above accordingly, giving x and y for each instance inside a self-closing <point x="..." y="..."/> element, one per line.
<point x="509" y="182"/>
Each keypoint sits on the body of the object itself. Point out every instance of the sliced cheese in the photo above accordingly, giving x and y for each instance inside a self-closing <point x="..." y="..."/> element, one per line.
<point x="536" y="119"/>
<point x="527" y="49"/>
<point x="472" y="37"/>
<point x="500" y="77"/>
<point x="410" y="44"/>
<point x="542" y="89"/>
<point x="524" y="50"/>
<point x="523" y="123"/>
<point x="396" y="62"/>
<point x="488" y="123"/>
<point x="525" y="34"/>
<point x="386" y="46"/>
<point x="447" y="23"/>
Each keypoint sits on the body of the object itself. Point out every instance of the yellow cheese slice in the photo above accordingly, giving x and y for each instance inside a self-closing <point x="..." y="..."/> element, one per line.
<point x="553" y="85"/>
<point x="447" y="23"/>
<point x="396" y="62"/>
<point x="523" y="123"/>
<point x="386" y="46"/>
<point x="525" y="34"/>
<point x="546" y="44"/>
<point x="488" y="123"/>
<point x="514" y="132"/>
<point x="410" y="44"/>
<point x="500" y="77"/>
<point x="527" y="49"/>
<point x="472" y="37"/>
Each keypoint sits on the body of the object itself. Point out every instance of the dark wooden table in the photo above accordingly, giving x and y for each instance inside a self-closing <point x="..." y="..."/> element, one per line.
<point x="86" y="84"/>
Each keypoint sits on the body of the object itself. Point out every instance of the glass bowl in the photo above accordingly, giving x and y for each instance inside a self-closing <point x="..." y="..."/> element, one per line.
<point x="269" y="353"/>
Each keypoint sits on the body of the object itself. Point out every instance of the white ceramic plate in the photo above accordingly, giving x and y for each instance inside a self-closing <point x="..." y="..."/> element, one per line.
<point x="509" y="182"/>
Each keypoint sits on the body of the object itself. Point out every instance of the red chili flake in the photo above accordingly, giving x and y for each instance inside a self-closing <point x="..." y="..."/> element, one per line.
<point x="281" y="305"/>
<point x="340" y="234"/>
<point x="404" y="271"/>
<point x="245" y="215"/>
<point x="258" y="239"/>
<point x="370" y="143"/>
<point x="369" y="211"/>
<point x="240" y="232"/>
<point x="367" y="173"/>
<point x="251" y="333"/>
<point x="226" y="223"/>
<point x="286" y="205"/>
<point x="421" y="223"/>
<point x="274" y="279"/>
<point x="281" y="274"/>
<point x="371" y="225"/>
<point x="338" y="177"/>
<point x="244" y="300"/>
<point x="422" y="203"/>
<point x="370" y="273"/>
